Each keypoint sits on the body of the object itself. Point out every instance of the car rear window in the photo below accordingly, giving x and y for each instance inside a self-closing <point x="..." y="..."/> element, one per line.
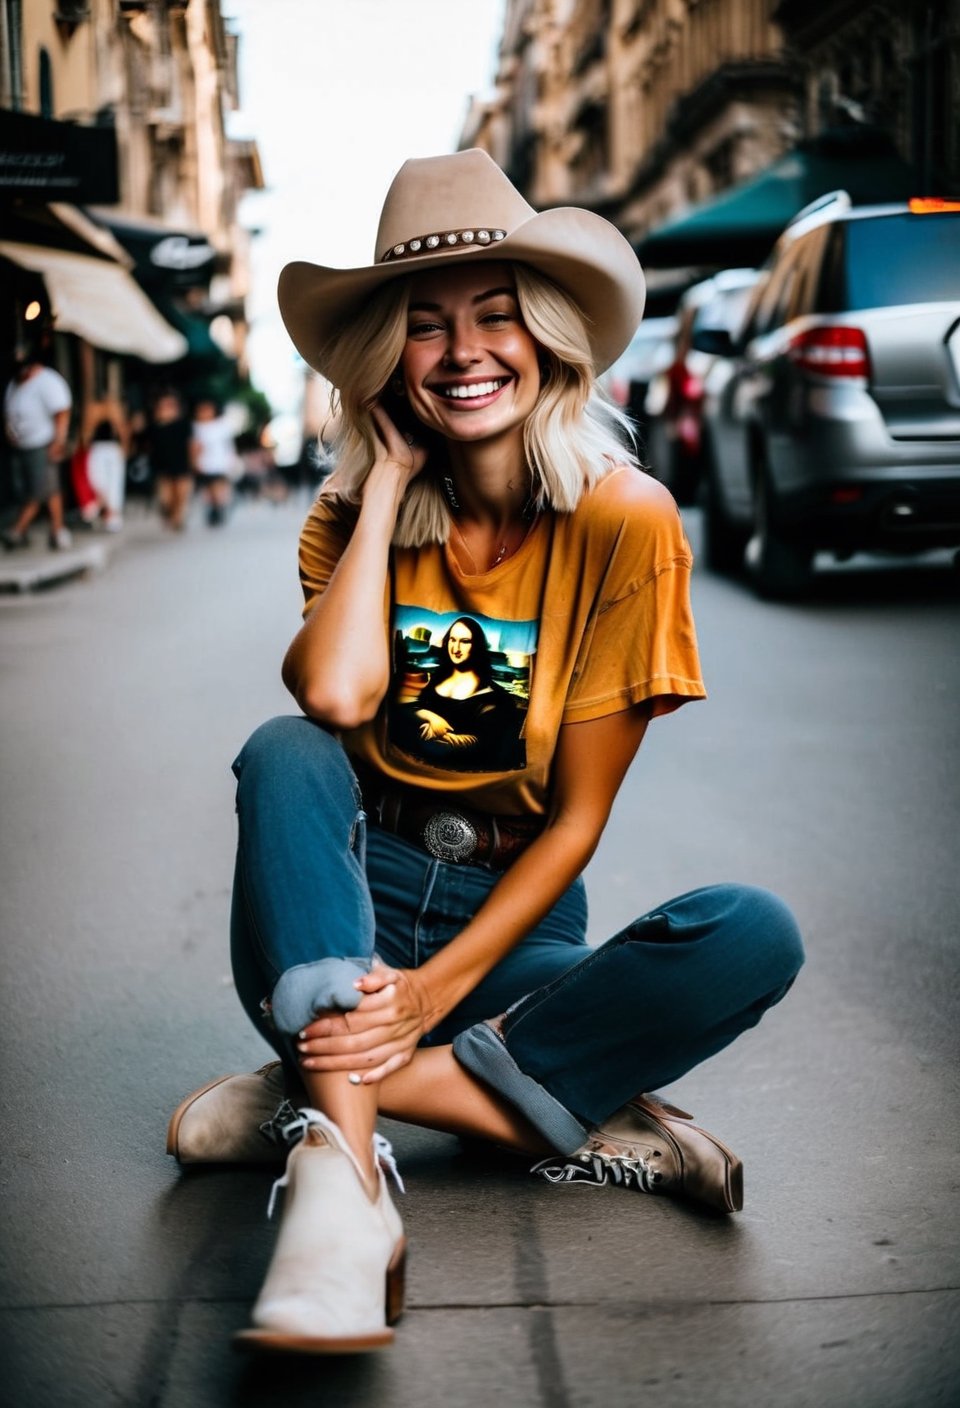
<point x="896" y="259"/>
<point x="724" y="310"/>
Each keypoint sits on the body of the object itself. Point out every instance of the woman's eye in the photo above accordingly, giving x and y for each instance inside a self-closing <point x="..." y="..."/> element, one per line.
<point x="495" y="319"/>
<point x="418" y="329"/>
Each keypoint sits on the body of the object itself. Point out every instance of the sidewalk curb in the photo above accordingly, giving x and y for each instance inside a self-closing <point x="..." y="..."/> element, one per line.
<point x="34" y="572"/>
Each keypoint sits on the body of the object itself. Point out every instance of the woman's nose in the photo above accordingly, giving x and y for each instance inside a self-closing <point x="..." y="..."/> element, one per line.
<point x="461" y="348"/>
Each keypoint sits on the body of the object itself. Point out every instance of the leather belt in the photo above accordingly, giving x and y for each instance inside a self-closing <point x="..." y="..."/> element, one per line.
<point x="449" y="831"/>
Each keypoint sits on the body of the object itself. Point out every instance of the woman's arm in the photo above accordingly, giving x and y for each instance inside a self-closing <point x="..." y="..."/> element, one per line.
<point x="402" y="1004"/>
<point x="338" y="664"/>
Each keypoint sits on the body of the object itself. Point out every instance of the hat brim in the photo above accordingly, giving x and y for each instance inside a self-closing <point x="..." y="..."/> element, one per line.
<point x="581" y="252"/>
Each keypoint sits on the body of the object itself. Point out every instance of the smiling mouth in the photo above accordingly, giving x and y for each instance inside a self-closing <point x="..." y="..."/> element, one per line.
<point x="473" y="392"/>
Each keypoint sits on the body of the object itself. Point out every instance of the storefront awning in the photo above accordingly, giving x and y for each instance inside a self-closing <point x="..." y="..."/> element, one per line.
<point x="741" y="226"/>
<point x="165" y="257"/>
<point x="200" y="345"/>
<point x="99" y="301"/>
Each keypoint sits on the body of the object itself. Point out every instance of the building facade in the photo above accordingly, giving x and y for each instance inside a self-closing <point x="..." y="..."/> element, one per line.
<point x="130" y="103"/>
<point x="640" y="109"/>
<point x="892" y="63"/>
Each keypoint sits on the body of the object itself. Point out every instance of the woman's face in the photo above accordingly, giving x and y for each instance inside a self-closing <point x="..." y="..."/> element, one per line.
<point x="469" y="364"/>
<point x="459" y="644"/>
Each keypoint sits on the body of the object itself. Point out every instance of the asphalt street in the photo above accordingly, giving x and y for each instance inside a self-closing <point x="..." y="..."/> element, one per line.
<point x="824" y="765"/>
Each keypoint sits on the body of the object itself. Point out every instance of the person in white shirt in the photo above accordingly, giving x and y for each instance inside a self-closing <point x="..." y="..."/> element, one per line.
<point x="36" y="410"/>
<point x="213" y="454"/>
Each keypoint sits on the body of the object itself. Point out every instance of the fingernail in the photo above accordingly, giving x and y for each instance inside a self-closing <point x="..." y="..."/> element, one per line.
<point x="354" y="1079"/>
<point x="302" y="1035"/>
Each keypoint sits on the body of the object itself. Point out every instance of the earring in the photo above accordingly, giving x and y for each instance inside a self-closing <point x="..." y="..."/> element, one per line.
<point x="449" y="493"/>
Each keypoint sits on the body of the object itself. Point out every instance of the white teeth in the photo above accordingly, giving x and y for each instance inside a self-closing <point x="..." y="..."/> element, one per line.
<point x="479" y="388"/>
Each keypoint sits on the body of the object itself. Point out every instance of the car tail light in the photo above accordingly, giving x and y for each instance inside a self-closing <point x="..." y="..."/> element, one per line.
<point x="832" y="352"/>
<point x="931" y="205"/>
<point x="691" y="387"/>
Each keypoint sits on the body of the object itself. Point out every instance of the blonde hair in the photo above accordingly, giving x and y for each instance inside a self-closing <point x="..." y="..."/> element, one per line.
<point x="573" y="437"/>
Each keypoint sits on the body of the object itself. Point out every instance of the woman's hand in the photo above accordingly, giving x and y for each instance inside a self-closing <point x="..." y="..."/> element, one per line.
<point x="378" y="1036"/>
<point x="394" y="452"/>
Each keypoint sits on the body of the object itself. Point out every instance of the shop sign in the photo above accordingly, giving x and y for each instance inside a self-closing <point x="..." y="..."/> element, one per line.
<point x="180" y="253"/>
<point x="57" y="160"/>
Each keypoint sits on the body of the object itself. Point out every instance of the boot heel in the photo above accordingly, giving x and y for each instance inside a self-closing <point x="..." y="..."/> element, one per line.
<point x="736" y="1185"/>
<point x="734" y="1179"/>
<point x="397" y="1282"/>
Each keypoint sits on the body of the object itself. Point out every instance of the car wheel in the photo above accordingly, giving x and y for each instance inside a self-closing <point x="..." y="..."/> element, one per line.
<point x="780" y="568"/>
<point x="723" y="540"/>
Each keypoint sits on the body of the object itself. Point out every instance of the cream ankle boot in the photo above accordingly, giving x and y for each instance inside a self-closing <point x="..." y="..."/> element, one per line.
<point x="335" y="1283"/>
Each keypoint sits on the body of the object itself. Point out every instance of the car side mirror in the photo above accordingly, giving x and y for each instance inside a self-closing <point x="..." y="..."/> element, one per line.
<point x="715" y="341"/>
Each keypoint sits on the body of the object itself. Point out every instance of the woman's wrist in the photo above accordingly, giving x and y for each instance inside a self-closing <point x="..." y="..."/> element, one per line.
<point x="438" y="994"/>
<point x="385" y="486"/>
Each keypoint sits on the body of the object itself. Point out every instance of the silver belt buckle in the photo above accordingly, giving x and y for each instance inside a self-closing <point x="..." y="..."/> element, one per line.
<point x="449" y="836"/>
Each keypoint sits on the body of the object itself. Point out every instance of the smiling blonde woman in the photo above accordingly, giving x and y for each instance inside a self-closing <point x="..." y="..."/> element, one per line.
<point x="409" y="915"/>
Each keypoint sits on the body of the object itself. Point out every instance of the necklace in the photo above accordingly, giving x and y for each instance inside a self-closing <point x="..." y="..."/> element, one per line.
<point x="503" y="551"/>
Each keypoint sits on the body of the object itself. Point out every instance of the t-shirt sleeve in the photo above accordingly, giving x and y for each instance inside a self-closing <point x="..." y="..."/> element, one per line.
<point x="56" y="393"/>
<point x="323" y="538"/>
<point x="640" y="644"/>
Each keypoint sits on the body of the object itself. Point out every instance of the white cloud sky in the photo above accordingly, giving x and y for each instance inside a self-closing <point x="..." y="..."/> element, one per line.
<point x="338" y="94"/>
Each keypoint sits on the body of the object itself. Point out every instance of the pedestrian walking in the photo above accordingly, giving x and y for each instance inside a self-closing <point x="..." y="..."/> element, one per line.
<point x="214" y="458"/>
<point x="108" y="444"/>
<point x="36" y="407"/>
<point x="496" y="607"/>
<point x="168" y="442"/>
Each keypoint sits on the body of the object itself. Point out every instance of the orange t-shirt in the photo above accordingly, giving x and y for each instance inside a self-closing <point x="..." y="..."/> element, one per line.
<point x="589" y="616"/>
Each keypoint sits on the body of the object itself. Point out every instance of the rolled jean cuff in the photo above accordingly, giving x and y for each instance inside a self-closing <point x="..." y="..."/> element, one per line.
<point x="485" y="1056"/>
<point x="310" y="988"/>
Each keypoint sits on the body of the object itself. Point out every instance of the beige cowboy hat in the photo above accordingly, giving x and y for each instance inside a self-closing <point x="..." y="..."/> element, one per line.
<point x="463" y="207"/>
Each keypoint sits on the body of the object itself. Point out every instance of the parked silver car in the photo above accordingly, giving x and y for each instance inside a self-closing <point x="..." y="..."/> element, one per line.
<point x="833" y="420"/>
<point x="627" y="380"/>
<point x="674" y="397"/>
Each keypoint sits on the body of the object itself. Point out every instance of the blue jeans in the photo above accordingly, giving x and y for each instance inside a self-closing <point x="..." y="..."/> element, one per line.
<point x="317" y="892"/>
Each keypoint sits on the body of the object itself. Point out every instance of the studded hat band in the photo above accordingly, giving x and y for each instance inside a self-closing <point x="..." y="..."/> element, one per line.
<point x="442" y="239"/>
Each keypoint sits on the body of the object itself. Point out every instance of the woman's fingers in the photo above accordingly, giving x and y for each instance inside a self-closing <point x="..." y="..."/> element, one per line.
<point x="360" y="1029"/>
<point x="379" y="977"/>
<point x="403" y="448"/>
<point x="385" y="1028"/>
<point x="385" y="1046"/>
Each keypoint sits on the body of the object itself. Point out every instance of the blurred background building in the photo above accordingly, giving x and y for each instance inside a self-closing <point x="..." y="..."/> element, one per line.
<point x="649" y="110"/>
<point x="121" y="169"/>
